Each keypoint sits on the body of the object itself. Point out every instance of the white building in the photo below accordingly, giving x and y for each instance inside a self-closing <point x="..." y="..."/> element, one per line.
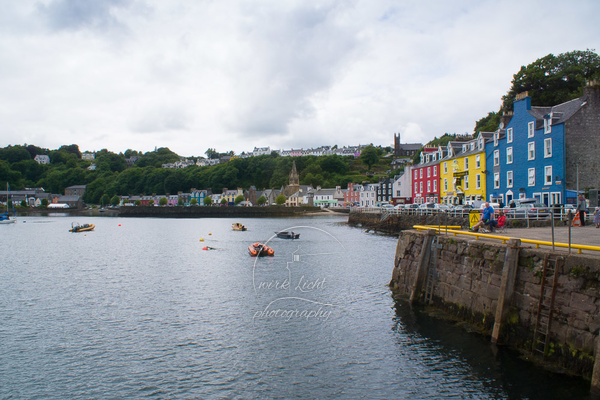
<point x="402" y="187"/>
<point x="368" y="195"/>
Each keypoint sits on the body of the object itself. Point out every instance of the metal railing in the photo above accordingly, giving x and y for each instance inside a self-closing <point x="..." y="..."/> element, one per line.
<point x="535" y="215"/>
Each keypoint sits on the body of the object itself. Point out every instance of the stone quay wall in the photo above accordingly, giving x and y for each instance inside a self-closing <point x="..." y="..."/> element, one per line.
<point x="497" y="288"/>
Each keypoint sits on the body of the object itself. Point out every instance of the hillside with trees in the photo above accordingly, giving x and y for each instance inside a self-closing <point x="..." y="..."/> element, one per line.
<point x="550" y="80"/>
<point x="112" y="176"/>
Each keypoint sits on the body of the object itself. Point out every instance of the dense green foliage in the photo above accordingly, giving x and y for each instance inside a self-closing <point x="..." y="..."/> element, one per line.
<point x="550" y="80"/>
<point x="112" y="177"/>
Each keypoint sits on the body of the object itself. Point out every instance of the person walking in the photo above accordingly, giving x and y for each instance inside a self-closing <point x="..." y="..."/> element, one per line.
<point x="581" y="206"/>
<point x="597" y="217"/>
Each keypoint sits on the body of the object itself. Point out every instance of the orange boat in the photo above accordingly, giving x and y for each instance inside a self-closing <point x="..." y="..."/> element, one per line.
<point x="260" y="250"/>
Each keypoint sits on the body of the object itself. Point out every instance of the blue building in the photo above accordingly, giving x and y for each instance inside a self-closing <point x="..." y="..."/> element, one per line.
<point x="526" y="158"/>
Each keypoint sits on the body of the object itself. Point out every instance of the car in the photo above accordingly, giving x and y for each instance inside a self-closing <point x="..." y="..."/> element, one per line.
<point x="387" y="206"/>
<point x="528" y="210"/>
<point x="399" y="206"/>
<point x="442" y="207"/>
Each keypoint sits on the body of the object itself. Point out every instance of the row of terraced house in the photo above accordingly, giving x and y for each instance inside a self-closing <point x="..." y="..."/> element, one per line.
<point x="547" y="153"/>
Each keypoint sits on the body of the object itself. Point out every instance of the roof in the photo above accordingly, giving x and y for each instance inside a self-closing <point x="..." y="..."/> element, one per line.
<point x="410" y="146"/>
<point x="560" y="113"/>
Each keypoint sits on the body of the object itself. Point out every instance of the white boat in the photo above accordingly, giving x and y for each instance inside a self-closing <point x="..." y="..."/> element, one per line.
<point x="5" y="218"/>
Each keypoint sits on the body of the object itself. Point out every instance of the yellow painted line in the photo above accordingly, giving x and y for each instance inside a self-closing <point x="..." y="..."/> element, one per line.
<point x="504" y="239"/>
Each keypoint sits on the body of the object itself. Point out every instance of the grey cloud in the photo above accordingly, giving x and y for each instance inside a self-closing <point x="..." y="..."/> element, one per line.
<point x="296" y="55"/>
<point x="79" y="14"/>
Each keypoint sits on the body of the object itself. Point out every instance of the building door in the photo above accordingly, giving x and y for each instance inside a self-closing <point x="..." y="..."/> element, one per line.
<point x="546" y="198"/>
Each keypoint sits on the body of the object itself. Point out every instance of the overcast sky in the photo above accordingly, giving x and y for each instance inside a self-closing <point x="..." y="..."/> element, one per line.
<point x="231" y="75"/>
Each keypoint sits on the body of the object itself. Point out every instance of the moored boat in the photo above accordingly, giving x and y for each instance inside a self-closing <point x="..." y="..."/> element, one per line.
<point x="287" y="235"/>
<point x="239" y="227"/>
<point x="5" y="218"/>
<point x="75" y="227"/>
<point x="260" y="250"/>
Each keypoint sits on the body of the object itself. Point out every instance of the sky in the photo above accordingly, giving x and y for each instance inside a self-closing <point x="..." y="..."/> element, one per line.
<point x="234" y="75"/>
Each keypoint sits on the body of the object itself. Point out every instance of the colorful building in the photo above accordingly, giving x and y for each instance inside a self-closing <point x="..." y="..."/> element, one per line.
<point x="426" y="177"/>
<point x="463" y="171"/>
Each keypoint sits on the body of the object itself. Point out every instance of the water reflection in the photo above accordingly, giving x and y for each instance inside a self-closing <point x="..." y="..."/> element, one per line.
<point x="499" y="369"/>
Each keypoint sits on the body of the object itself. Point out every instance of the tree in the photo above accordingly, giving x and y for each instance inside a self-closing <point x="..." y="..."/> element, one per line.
<point x="151" y="202"/>
<point x="163" y="201"/>
<point x="279" y="200"/>
<point x="194" y="202"/>
<point x="489" y="123"/>
<point x="44" y="203"/>
<point x="208" y="201"/>
<point x="180" y="202"/>
<point x="261" y="200"/>
<point x="223" y="201"/>
<point x="115" y="200"/>
<point x="23" y="203"/>
<point x="369" y="156"/>
<point x="239" y="199"/>
<point x="137" y="203"/>
<point x="105" y="199"/>
<point x="552" y="80"/>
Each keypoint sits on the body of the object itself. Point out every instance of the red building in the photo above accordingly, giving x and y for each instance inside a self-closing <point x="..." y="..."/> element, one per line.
<point x="352" y="195"/>
<point x="426" y="177"/>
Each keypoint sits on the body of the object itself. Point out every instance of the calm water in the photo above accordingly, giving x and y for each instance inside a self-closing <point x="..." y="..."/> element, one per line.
<point x="138" y="309"/>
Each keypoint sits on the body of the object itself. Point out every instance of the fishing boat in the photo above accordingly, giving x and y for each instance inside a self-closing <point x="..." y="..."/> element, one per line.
<point x="260" y="250"/>
<point x="5" y="218"/>
<point x="287" y="235"/>
<point x="75" y="227"/>
<point x="239" y="227"/>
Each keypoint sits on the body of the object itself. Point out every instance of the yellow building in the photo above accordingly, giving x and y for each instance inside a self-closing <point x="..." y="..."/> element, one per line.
<point x="462" y="171"/>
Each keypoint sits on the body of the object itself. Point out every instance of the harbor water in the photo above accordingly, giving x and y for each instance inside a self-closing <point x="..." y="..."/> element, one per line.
<point x="176" y="308"/>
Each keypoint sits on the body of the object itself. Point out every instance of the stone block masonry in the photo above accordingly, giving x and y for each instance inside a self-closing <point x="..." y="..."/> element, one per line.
<point x="497" y="287"/>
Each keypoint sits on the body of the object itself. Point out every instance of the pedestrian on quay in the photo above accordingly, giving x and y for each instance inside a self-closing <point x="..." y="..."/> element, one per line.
<point x="597" y="217"/>
<point x="581" y="206"/>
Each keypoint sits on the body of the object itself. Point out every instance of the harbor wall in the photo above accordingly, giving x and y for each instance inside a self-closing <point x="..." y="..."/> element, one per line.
<point x="216" y="212"/>
<point x="496" y="287"/>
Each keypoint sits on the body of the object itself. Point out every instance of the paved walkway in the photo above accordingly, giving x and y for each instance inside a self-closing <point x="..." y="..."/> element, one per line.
<point x="588" y="235"/>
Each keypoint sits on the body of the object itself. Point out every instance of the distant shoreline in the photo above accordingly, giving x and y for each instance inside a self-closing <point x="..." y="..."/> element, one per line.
<point x="188" y="212"/>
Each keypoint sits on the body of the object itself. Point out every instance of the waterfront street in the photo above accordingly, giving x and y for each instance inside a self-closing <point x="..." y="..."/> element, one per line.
<point x="588" y="235"/>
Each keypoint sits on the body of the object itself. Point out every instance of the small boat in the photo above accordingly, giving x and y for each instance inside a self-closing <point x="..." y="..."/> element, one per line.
<point x="5" y="218"/>
<point x="75" y="227"/>
<point x="287" y="235"/>
<point x="238" y="227"/>
<point x="260" y="250"/>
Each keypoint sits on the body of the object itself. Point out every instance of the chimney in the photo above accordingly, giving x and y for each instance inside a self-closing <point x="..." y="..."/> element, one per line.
<point x="505" y="118"/>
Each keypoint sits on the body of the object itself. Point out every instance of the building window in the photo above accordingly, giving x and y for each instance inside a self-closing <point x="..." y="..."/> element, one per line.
<point x="509" y="135"/>
<point x="477" y="181"/>
<point x="435" y="170"/>
<point x="509" y="179"/>
<point x="445" y="185"/>
<point x="428" y="186"/>
<point x="548" y="125"/>
<point x="509" y="155"/>
<point x="547" y="148"/>
<point x="548" y="175"/>
<point x="464" y="148"/>
<point x="445" y="167"/>
<point x="466" y="178"/>
<point x="530" y="129"/>
<point x="495" y="139"/>
<point x="429" y="172"/>
<point x="416" y="188"/>
<point x="421" y="172"/>
<point x="420" y="187"/>
<point x="435" y="186"/>
<point x="531" y="151"/>
<point x="496" y="180"/>
<point x="466" y="163"/>
<point x="496" y="157"/>
<point x="477" y="161"/>
<point x="480" y="144"/>
<point x="531" y="177"/>
<point x="472" y="145"/>
<point x="416" y="174"/>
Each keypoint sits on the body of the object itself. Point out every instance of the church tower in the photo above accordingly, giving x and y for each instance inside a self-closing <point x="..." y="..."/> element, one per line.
<point x="294" y="185"/>
<point x="397" y="144"/>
